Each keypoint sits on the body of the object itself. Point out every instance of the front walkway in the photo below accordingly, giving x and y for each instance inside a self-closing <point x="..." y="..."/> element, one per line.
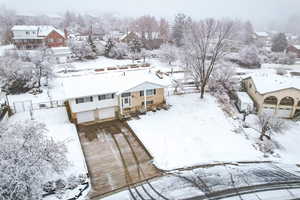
<point x="102" y="144"/>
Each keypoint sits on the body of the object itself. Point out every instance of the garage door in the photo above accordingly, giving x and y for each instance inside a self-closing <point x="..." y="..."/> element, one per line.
<point x="269" y="111"/>
<point x="284" y="113"/>
<point x="85" y="117"/>
<point x="107" y="113"/>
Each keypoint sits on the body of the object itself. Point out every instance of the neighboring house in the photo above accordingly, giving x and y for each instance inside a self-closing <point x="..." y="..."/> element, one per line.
<point x="61" y="54"/>
<point x="32" y="37"/>
<point x="263" y="38"/>
<point x="294" y="49"/>
<point x="275" y="94"/>
<point x="113" y="95"/>
<point x="128" y="37"/>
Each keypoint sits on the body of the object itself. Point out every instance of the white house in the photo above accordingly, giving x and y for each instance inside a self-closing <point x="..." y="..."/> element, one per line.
<point x="113" y="95"/>
<point x="61" y="54"/>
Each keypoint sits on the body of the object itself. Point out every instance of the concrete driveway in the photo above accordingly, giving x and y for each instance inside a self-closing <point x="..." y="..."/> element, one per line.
<point x="102" y="144"/>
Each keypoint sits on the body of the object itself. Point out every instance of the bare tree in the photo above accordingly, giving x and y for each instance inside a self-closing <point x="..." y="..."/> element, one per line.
<point x="43" y="62"/>
<point x="168" y="53"/>
<point x="267" y="124"/>
<point x="164" y="29"/>
<point x="206" y="42"/>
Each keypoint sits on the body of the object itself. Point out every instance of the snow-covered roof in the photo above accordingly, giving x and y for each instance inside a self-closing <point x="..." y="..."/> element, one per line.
<point x="244" y="97"/>
<point x="266" y="83"/>
<point x="113" y="82"/>
<point x="41" y="31"/>
<point x="262" y="34"/>
<point x="297" y="46"/>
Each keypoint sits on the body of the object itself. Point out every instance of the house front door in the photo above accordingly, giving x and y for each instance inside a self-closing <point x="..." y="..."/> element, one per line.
<point x="126" y="102"/>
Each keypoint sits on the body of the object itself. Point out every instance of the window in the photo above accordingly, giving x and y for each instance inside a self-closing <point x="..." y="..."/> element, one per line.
<point x="127" y="94"/>
<point x="84" y="100"/>
<point x="150" y="92"/>
<point x="106" y="96"/>
<point x="27" y="33"/>
<point x="33" y="32"/>
<point x="50" y="40"/>
<point x="147" y="103"/>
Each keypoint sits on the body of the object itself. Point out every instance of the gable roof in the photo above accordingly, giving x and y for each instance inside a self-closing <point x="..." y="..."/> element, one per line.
<point x="266" y="83"/>
<point x="41" y="31"/>
<point x="113" y="82"/>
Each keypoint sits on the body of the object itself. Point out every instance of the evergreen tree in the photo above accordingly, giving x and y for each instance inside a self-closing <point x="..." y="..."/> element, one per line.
<point x="135" y="46"/>
<point x="181" y="21"/>
<point x="279" y="43"/>
<point x="108" y="47"/>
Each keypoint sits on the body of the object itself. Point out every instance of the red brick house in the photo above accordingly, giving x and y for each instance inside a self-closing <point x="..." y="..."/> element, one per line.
<point x="295" y="49"/>
<point x="32" y="37"/>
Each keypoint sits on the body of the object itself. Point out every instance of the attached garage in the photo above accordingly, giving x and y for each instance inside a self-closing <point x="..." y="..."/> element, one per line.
<point x="284" y="113"/>
<point x="83" y="117"/>
<point x="269" y="111"/>
<point x="106" y="113"/>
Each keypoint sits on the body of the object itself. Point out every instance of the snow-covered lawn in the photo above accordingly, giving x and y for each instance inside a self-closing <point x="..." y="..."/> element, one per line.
<point x="60" y="129"/>
<point x="3" y="48"/>
<point x="286" y="148"/>
<point x="191" y="132"/>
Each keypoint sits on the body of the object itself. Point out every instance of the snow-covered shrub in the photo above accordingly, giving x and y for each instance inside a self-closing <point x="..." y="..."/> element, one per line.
<point x="72" y="182"/>
<point x="222" y="84"/>
<point x="27" y="157"/>
<point x="249" y="57"/>
<point x="49" y="187"/>
<point x="82" y="50"/>
<point x="60" y="184"/>
<point x="82" y="178"/>
<point x="16" y="76"/>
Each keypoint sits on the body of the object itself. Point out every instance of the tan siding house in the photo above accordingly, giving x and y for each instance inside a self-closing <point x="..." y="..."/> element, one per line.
<point x="276" y="95"/>
<point x="98" y="98"/>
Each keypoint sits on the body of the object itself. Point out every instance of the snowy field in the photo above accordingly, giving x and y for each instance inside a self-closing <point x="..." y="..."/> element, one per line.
<point x="60" y="129"/>
<point x="191" y="132"/>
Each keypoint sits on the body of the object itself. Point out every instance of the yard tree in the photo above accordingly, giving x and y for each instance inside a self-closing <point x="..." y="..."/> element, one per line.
<point x="168" y="53"/>
<point x="179" y="28"/>
<point x="279" y="42"/>
<point x="91" y="42"/>
<point x="164" y="29"/>
<point x="108" y="47"/>
<point x="145" y="25"/>
<point x="249" y="57"/>
<point x="82" y="50"/>
<point x="206" y="42"/>
<point x="267" y="124"/>
<point x="27" y="158"/>
<point x="43" y="65"/>
<point x="248" y="33"/>
<point x="7" y="20"/>
<point x="16" y="76"/>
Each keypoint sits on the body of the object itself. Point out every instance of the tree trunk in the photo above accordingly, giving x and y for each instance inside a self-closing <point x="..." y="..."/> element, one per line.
<point x="202" y="91"/>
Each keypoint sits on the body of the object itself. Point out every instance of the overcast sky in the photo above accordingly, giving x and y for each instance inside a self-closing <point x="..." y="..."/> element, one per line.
<point x="255" y="10"/>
